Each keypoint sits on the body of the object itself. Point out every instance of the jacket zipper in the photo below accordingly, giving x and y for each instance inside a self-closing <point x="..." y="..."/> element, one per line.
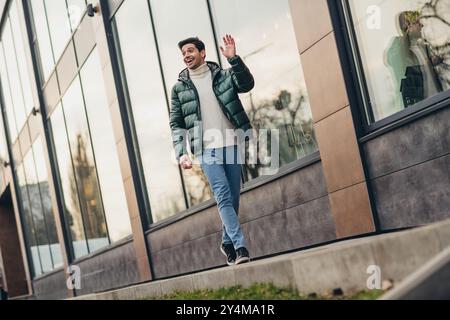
<point x="199" y="111"/>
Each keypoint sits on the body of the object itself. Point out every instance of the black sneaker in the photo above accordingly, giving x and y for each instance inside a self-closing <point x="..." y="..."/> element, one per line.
<point x="242" y="256"/>
<point x="229" y="252"/>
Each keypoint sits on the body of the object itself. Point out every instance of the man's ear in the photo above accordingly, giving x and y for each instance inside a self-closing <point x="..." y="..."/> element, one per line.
<point x="203" y="54"/>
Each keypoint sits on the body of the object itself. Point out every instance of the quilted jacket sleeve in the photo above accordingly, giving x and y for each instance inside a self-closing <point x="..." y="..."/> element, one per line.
<point x="177" y="126"/>
<point x="242" y="78"/>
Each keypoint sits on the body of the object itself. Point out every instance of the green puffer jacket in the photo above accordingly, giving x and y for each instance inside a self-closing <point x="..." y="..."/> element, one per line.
<point x="185" y="113"/>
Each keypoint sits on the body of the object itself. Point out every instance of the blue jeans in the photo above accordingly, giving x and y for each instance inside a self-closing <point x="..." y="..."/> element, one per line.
<point x="223" y="171"/>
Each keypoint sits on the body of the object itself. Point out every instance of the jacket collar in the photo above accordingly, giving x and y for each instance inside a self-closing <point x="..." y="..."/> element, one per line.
<point x="214" y="67"/>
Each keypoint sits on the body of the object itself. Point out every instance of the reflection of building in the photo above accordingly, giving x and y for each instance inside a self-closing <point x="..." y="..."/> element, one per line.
<point x="90" y="179"/>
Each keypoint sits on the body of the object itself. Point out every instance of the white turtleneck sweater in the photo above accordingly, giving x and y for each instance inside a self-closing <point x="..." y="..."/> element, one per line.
<point x="218" y="131"/>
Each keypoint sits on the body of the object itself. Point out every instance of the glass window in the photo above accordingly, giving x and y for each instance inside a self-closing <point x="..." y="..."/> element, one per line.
<point x="171" y="28"/>
<point x="19" y="41"/>
<point x="92" y="186"/>
<point x="75" y="9"/>
<point x="71" y="203"/>
<point x="54" y="22"/>
<point x="84" y="168"/>
<point x="58" y="24"/>
<point x="36" y="208"/>
<point x="266" y="42"/>
<point x="279" y="100"/>
<point x="94" y="196"/>
<point x="404" y="49"/>
<point x="7" y="98"/>
<point x="44" y="188"/>
<point x="149" y="105"/>
<point x="14" y="77"/>
<point x="35" y="203"/>
<point x="108" y="167"/>
<point x="43" y="46"/>
<point x="14" y="74"/>
<point x="28" y="224"/>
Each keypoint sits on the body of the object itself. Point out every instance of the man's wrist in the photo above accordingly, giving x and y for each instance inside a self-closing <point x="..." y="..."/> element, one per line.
<point x="233" y="57"/>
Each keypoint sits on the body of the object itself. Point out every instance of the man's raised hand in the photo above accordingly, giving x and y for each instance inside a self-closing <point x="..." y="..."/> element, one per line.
<point x="229" y="47"/>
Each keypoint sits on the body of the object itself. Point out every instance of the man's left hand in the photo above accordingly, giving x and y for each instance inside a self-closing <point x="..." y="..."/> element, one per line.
<point x="229" y="48"/>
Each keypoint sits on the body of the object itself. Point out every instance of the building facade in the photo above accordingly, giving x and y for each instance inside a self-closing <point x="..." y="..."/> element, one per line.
<point x="356" y="90"/>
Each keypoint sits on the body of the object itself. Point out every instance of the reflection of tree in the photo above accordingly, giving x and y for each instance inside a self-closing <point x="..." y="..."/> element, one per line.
<point x="28" y="225"/>
<point x="435" y="17"/>
<point x="197" y="185"/>
<point x="197" y="191"/>
<point x="290" y="116"/>
<point x="44" y="229"/>
<point x="87" y="185"/>
<point x="166" y="206"/>
<point x="48" y="212"/>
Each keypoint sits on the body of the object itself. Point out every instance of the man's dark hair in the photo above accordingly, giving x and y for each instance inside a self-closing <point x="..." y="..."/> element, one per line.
<point x="193" y="40"/>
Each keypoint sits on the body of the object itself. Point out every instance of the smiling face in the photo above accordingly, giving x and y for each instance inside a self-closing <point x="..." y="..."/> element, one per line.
<point x="192" y="57"/>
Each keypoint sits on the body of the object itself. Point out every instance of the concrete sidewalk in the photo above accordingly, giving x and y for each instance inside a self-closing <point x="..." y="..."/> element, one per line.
<point x="342" y="265"/>
<point x="430" y="282"/>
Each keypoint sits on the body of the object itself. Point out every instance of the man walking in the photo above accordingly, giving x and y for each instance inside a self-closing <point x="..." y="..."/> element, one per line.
<point x="205" y="103"/>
